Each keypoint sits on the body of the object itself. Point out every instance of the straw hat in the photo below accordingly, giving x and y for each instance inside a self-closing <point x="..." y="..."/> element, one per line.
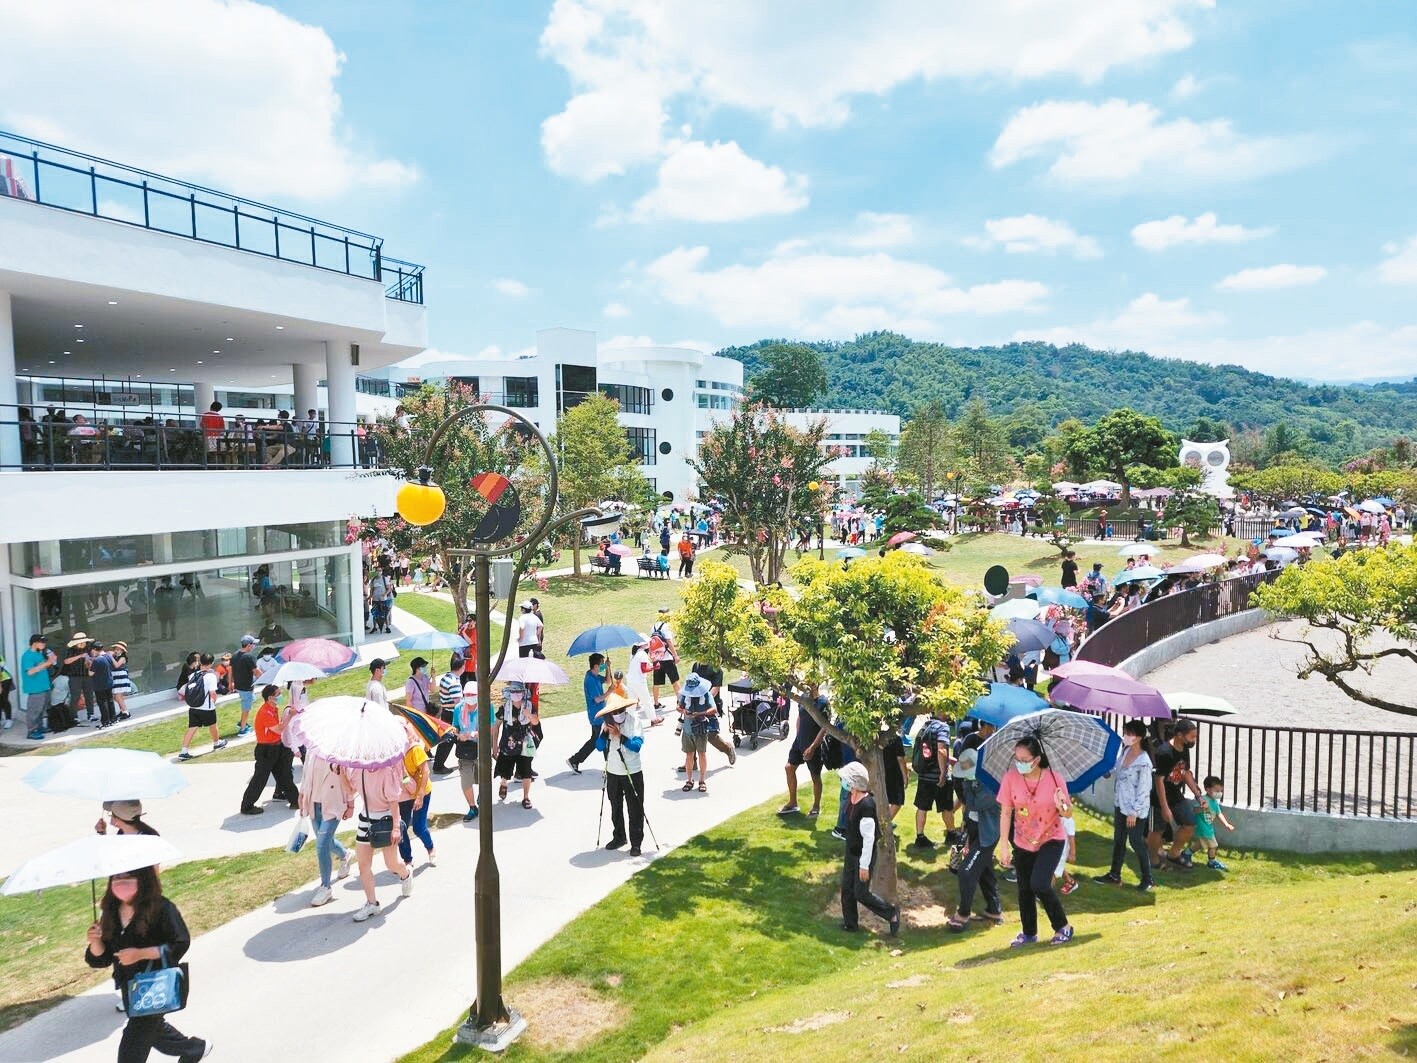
<point x="118" y="646"/>
<point x="79" y="639"/>
<point x="615" y="704"/>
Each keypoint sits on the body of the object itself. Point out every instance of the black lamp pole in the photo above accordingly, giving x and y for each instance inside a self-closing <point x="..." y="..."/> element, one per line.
<point x="490" y="1023"/>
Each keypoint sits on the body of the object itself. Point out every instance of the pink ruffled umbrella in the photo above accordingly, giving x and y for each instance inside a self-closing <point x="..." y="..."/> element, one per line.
<point x="352" y="732"/>
<point x="620" y="549"/>
<point x="325" y="654"/>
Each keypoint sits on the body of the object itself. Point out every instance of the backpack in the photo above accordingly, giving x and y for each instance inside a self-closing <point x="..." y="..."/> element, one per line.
<point x="925" y="757"/>
<point x="831" y="752"/>
<point x="659" y="645"/>
<point x="195" y="692"/>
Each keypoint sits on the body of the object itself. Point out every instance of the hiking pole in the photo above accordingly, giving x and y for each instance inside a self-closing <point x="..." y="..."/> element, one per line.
<point x="640" y="797"/>
<point x="600" y="823"/>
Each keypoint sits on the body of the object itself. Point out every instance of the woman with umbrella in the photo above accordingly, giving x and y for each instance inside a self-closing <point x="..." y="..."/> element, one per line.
<point x="380" y="826"/>
<point x="137" y="927"/>
<point x="1033" y="799"/>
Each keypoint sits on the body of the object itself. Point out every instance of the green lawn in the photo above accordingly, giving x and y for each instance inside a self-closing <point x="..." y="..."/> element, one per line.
<point x="42" y="934"/>
<point x="728" y="948"/>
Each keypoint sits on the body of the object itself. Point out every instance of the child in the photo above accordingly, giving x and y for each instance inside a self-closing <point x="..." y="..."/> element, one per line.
<point x="1070" y="855"/>
<point x="1206" y="815"/>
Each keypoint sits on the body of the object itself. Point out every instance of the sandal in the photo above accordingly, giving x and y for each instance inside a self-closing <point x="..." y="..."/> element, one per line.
<point x="526" y="803"/>
<point x="957" y="924"/>
<point x="502" y="792"/>
<point x="993" y="918"/>
<point x="688" y="786"/>
<point x="788" y="810"/>
<point x="703" y="787"/>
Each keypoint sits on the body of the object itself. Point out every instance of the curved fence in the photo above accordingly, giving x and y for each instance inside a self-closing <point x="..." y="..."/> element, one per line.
<point x="1336" y="773"/>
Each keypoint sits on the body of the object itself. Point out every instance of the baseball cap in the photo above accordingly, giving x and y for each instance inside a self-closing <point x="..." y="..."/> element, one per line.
<point x="248" y="640"/>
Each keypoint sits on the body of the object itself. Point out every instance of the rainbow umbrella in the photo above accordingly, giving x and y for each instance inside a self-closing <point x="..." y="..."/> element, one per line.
<point x="325" y="654"/>
<point x="428" y="728"/>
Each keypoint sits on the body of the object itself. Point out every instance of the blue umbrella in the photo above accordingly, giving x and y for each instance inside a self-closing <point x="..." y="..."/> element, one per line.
<point x="1139" y="574"/>
<point x="1079" y="747"/>
<point x="433" y="640"/>
<point x="1004" y="702"/>
<point x="602" y="638"/>
<point x="1059" y="596"/>
<point x="1031" y="635"/>
<point x="846" y="553"/>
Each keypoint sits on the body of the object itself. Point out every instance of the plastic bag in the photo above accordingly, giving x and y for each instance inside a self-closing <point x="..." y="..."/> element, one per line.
<point x="300" y="834"/>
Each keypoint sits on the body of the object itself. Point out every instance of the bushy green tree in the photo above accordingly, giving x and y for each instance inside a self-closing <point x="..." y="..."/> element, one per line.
<point x="982" y="446"/>
<point x="1054" y="513"/>
<point x="1120" y="439"/>
<point x="791" y="377"/>
<point x="1191" y="510"/>
<point x="1287" y="483"/>
<point x="926" y="453"/>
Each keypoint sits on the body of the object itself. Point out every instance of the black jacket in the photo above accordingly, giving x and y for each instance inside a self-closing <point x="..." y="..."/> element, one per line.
<point x="167" y="929"/>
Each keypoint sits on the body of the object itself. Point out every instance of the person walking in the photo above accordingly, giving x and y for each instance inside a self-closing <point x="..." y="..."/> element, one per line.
<point x="713" y="676"/>
<point x="36" y="682"/>
<point x="624" y="774"/>
<point x="593" y="685"/>
<point x="200" y="695"/>
<point x="1131" y="805"/>
<point x="243" y="680"/>
<point x="930" y="759"/>
<point x="122" y="681"/>
<point x="806" y="749"/>
<point x="664" y="655"/>
<point x="686" y="557"/>
<point x="519" y="738"/>
<point x="449" y="693"/>
<point x="862" y="831"/>
<point x="379" y="791"/>
<point x="529" y="628"/>
<point x="375" y="691"/>
<point x="323" y="798"/>
<point x="700" y="719"/>
<point x="138" y="926"/>
<point x="418" y="689"/>
<point x="268" y="758"/>
<point x="981" y="825"/>
<point x="418" y="792"/>
<point x="465" y="746"/>
<point x="1069" y="579"/>
<point x="1174" y="817"/>
<point x="1032" y="801"/>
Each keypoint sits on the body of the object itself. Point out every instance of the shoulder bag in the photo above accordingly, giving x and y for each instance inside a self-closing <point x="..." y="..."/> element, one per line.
<point x="158" y="990"/>
<point x="381" y="829"/>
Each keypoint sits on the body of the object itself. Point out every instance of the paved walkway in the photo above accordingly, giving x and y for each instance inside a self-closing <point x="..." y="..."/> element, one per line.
<point x="279" y="958"/>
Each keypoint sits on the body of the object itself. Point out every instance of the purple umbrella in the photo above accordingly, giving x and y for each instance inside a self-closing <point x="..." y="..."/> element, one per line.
<point x="1095" y="692"/>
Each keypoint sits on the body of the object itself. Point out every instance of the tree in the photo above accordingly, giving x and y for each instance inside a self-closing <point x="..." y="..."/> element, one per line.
<point x="1287" y="483"/>
<point x="1356" y="596"/>
<point x="1054" y="513"/>
<point x="983" y="448"/>
<point x="1062" y="446"/>
<point x="761" y="469"/>
<point x="925" y="448"/>
<point x="903" y="511"/>
<point x="879" y="448"/>
<point x="1122" y="438"/>
<point x="791" y="377"/>
<point x="594" y="459"/>
<point x="1208" y="430"/>
<point x="1191" y="510"/>
<point x="866" y="632"/>
<point x="474" y="444"/>
<point x="1025" y="427"/>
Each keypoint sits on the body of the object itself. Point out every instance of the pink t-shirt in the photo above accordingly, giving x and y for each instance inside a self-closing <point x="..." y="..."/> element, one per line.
<point x="1035" y="812"/>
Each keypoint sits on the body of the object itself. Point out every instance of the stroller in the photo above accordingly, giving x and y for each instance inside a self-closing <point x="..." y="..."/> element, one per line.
<point x="757" y="713"/>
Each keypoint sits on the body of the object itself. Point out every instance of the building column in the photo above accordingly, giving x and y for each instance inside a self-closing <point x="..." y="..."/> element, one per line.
<point x="340" y="394"/>
<point x="203" y="395"/>
<point x="306" y="377"/>
<point x="9" y="394"/>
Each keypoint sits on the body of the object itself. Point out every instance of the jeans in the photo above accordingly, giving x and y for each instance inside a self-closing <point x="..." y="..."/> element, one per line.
<point x="415" y="821"/>
<point x="579" y="756"/>
<point x="326" y="845"/>
<point x="1121" y="835"/>
<point x="854" y="891"/>
<point x="142" y="1035"/>
<point x="623" y="790"/>
<point x="36" y="708"/>
<point x="977" y="871"/>
<point x="1035" y="886"/>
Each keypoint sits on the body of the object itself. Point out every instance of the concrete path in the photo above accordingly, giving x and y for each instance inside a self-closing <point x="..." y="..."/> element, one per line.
<point x="280" y="958"/>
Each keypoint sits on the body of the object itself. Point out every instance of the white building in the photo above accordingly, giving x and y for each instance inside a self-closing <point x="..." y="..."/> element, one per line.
<point x="164" y="293"/>
<point x="846" y="434"/>
<point x="669" y="396"/>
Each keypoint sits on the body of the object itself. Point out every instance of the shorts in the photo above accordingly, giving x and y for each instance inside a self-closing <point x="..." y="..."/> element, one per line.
<point x="796" y="757"/>
<point x="246" y="697"/>
<point x="692" y="743"/>
<point x="1182" y="811"/>
<point x="201" y="717"/>
<point x="665" y="672"/>
<point x="930" y="794"/>
<point x="361" y="833"/>
<point x="895" y="790"/>
<point x="506" y="762"/>
<point x="467" y="774"/>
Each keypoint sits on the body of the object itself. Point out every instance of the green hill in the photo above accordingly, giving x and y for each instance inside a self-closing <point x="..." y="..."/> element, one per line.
<point x="884" y="370"/>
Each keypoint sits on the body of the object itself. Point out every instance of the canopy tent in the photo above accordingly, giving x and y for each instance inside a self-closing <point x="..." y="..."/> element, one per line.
<point x="1102" y="485"/>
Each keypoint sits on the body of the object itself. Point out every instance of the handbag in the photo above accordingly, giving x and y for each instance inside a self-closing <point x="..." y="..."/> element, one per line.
<point x="381" y="830"/>
<point x="157" y="991"/>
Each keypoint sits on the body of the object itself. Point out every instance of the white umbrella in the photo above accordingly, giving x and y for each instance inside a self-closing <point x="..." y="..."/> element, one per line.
<point x="1065" y="485"/>
<point x="1199" y="563"/>
<point x="1205" y="704"/>
<point x="352" y="732"/>
<point x="1281" y="553"/>
<point x="107" y="775"/>
<point x="1300" y="541"/>
<point x="531" y="670"/>
<point x="1136" y="550"/>
<point x="1370" y="506"/>
<point x="93" y="857"/>
<point x="1016" y="609"/>
<point x="293" y="672"/>
<point x="1101" y="485"/>
<point x="917" y="548"/>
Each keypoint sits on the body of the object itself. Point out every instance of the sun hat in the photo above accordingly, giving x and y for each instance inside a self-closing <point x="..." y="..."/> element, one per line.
<point x="616" y="704"/>
<point x="854" y="776"/>
<point x="78" y="640"/>
<point x="696" y="686"/>
<point x="118" y="646"/>
<point x="127" y="811"/>
<point x="966" y="764"/>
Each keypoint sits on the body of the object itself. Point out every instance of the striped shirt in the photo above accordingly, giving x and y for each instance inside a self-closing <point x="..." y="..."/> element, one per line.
<point x="449" y="691"/>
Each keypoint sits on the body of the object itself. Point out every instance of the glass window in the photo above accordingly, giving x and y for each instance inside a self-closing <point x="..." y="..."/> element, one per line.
<point x="125" y="551"/>
<point x="522" y="391"/>
<point x="630" y="398"/>
<point x="642" y="444"/>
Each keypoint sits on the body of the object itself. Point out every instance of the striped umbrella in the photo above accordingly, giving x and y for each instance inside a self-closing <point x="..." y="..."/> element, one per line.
<point x="1081" y="749"/>
<point x="429" y="729"/>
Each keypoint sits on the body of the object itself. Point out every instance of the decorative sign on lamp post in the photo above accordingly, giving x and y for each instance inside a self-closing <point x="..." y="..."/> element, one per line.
<point x="490" y="1023"/>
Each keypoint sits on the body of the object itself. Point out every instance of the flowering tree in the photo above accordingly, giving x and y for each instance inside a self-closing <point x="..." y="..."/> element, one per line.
<point x="863" y="632"/>
<point x="761" y="469"/>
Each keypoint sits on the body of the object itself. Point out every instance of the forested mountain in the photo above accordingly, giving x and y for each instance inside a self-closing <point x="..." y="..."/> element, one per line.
<point x="884" y="370"/>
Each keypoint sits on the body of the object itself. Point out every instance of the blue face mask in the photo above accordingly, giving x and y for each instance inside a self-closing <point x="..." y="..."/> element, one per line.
<point x="1023" y="766"/>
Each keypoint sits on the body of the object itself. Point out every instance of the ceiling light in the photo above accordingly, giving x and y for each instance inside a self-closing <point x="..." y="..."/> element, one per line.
<point x="78" y="326"/>
<point x="113" y="302"/>
<point x="231" y="339"/>
<point x="172" y="370"/>
<point x="279" y="328"/>
<point x="78" y="341"/>
<point x="51" y="361"/>
<point x="216" y="352"/>
<point x="66" y="352"/>
<point x="201" y="363"/>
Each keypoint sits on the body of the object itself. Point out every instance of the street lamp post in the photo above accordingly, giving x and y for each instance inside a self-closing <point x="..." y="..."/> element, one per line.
<point x="816" y="490"/>
<point x="490" y="1023"/>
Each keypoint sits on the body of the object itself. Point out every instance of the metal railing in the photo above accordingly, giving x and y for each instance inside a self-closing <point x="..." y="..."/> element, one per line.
<point x="137" y="445"/>
<point x="85" y="184"/>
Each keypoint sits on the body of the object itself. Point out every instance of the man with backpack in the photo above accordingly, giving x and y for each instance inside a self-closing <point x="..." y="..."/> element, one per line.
<point x="199" y="693"/>
<point x="931" y="764"/>
<point x="664" y="656"/>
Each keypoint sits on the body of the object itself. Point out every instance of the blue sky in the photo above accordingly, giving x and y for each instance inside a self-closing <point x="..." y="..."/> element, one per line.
<point x="1224" y="181"/>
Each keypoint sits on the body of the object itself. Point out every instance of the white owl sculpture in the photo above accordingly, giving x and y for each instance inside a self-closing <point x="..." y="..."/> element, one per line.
<point x="1213" y="459"/>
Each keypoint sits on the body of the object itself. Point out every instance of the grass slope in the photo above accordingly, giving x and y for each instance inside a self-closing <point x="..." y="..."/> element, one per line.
<point x="727" y="949"/>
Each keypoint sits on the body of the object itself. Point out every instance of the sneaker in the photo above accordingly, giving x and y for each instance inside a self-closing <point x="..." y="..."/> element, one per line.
<point x="1145" y="887"/>
<point x="125" y="716"/>
<point x="617" y="843"/>
<point x="576" y="768"/>
<point x="1010" y="875"/>
<point x="432" y="859"/>
<point x="1215" y="865"/>
<point x="922" y="842"/>
<point x="1108" y="879"/>
<point x="184" y="755"/>
<point x="470" y="815"/>
<point x="323" y="895"/>
<point x="1023" y="939"/>
<point x="838" y="835"/>
<point x="1062" y="937"/>
<point x="636" y="851"/>
<point x="35" y="736"/>
<point x="366" y="910"/>
<point x="7" y="724"/>
<point x="895" y="922"/>
<point x="1072" y="885"/>
<point x="344" y="862"/>
<point x="252" y="810"/>
<point x="406" y="888"/>
<point x="219" y="745"/>
<point x="241" y="732"/>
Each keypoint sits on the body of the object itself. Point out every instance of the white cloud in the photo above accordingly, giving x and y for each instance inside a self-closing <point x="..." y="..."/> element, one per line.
<point x="823" y="294"/>
<point x="1203" y="229"/>
<point x="1363" y="350"/>
<point x="873" y="231"/>
<point x="1265" y="278"/>
<point x="1186" y="86"/>
<point x="1148" y="323"/>
<point x="1035" y="234"/>
<point x="433" y="356"/>
<point x="511" y="287"/>
<point x="615" y="310"/>
<point x="1118" y="141"/>
<point x="718" y="182"/>
<point x="604" y="132"/>
<point x="1400" y="267"/>
<point x="231" y="94"/>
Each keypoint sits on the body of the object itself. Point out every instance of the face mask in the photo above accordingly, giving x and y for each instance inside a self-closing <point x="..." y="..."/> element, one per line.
<point x="1023" y="766"/>
<point x="124" y="890"/>
<point x="1129" y="740"/>
<point x="1215" y="797"/>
